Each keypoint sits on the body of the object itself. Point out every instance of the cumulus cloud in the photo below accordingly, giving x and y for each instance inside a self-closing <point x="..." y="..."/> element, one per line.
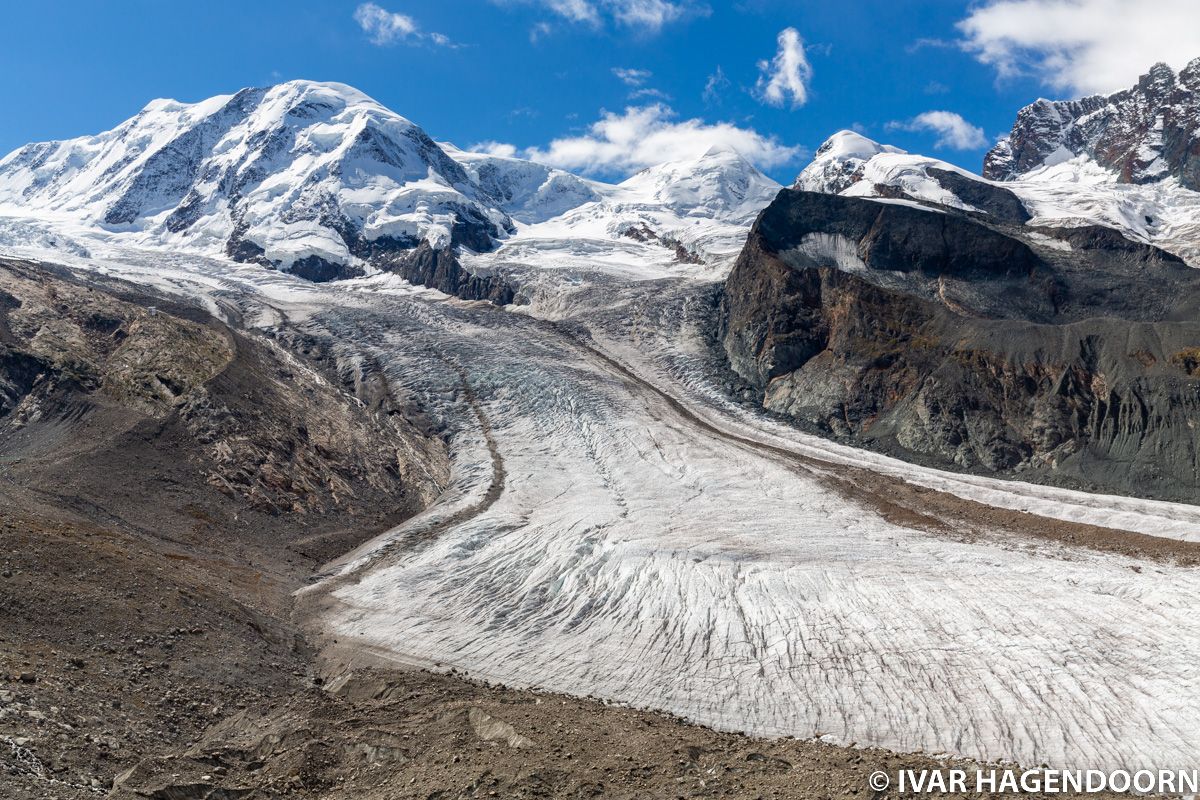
<point x="642" y="136"/>
<point x="1084" y="46"/>
<point x="631" y="77"/>
<point x="785" y="78"/>
<point x="646" y="16"/>
<point x="384" y="27"/>
<point x="952" y="130"/>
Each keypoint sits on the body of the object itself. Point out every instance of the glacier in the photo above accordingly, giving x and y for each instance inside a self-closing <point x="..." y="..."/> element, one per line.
<point x="616" y="525"/>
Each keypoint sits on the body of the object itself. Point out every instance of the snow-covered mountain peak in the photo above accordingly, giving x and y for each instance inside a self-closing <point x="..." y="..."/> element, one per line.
<point x="720" y="149"/>
<point x="839" y="161"/>
<point x="720" y="184"/>
<point x="851" y="144"/>
<point x="527" y="191"/>
<point x="322" y="180"/>
<point x="303" y="175"/>
<point x="681" y="215"/>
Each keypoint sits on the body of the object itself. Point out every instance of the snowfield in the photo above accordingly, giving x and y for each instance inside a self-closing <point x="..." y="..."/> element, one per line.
<point x="637" y="538"/>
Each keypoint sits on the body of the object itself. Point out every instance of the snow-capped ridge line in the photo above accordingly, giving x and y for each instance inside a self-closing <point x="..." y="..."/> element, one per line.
<point x="319" y="179"/>
<point x="1067" y="191"/>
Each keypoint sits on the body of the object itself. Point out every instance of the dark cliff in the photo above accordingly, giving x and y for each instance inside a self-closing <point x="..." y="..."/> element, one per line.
<point x="952" y="341"/>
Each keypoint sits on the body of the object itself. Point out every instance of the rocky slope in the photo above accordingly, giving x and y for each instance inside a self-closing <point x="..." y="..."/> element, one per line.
<point x="951" y="337"/>
<point x="89" y="378"/>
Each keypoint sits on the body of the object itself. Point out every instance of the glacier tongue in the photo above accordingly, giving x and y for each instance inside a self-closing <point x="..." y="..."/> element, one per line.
<point x="636" y="555"/>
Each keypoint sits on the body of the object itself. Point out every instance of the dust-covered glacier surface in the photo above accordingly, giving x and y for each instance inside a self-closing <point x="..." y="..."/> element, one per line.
<point x="613" y="529"/>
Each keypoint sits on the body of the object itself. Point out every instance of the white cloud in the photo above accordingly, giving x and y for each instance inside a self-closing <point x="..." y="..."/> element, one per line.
<point x="385" y="27"/>
<point x="1087" y="46"/>
<point x="785" y="78"/>
<point x="646" y="16"/>
<point x="650" y="15"/>
<point x="952" y="130"/>
<point x="649" y="92"/>
<point x="715" y="87"/>
<point x="631" y="77"/>
<point x="642" y="136"/>
<point x="573" y="10"/>
<point x="495" y="149"/>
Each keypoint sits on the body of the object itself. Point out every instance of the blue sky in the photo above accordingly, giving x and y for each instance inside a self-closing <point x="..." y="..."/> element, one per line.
<point x="529" y="73"/>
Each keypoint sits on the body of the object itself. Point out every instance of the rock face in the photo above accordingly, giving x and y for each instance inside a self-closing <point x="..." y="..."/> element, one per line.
<point x="440" y="269"/>
<point x="1074" y="192"/>
<point x="948" y="338"/>
<point x="1144" y="134"/>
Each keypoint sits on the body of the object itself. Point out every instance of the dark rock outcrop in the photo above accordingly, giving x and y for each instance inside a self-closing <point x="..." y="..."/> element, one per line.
<point x="1144" y="134"/>
<point x="897" y="237"/>
<point x="1108" y="240"/>
<point x="972" y="349"/>
<point x="440" y="269"/>
<point x="644" y="233"/>
<point x="319" y="270"/>
<point x="1000" y="203"/>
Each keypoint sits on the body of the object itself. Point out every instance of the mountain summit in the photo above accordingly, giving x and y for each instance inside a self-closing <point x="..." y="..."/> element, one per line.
<point x="305" y="176"/>
<point x="839" y="161"/>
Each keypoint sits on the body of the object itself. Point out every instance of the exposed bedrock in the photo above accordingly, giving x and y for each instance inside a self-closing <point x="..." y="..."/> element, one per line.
<point x="936" y="338"/>
<point x="440" y="269"/>
<point x="1144" y="134"/>
<point x="469" y="229"/>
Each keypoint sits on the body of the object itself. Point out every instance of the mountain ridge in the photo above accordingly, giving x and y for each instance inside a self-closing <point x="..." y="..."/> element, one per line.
<point x="1144" y="134"/>
<point x="321" y="180"/>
